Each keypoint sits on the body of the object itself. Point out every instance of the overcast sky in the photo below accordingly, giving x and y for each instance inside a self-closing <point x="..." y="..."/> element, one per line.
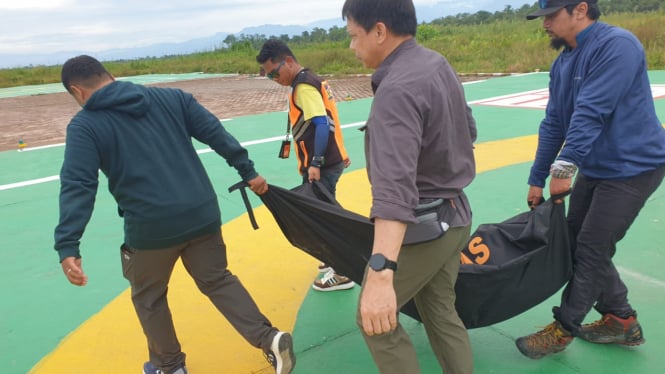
<point x="45" y="26"/>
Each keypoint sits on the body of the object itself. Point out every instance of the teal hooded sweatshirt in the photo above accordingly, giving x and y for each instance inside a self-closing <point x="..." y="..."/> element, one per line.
<point x="141" y="139"/>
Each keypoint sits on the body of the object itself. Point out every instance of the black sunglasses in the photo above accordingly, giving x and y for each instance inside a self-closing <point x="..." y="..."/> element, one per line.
<point x="275" y="72"/>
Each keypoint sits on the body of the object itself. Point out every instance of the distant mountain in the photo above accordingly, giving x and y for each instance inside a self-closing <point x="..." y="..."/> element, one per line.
<point x="210" y="43"/>
<point x="205" y="44"/>
<point x="424" y="13"/>
<point x="155" y="50"/>
<point x="9" y="60"/>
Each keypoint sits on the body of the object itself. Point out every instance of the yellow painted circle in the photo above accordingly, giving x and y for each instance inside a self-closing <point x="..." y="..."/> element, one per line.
<point x="277" y="275"/>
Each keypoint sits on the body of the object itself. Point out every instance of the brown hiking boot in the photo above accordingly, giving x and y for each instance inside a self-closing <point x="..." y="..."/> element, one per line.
<point x="552" y="339"/>
<point x="612" y="329"/>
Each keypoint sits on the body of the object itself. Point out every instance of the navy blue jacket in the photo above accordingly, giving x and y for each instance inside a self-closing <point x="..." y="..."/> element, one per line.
<point x="600" y="115"/>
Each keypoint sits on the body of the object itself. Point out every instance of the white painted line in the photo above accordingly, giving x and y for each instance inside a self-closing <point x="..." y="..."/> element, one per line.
<point x="355" y="124"/>
<point x="658" y="91"/>
<point x="515" y="96"/>
<point x="641" y="277"/>
<point x="200" y="151"/>
<point x="273" y="139"/>
<point x="27" y="149"/>
<point x="28" y="183"/>
<point x="537" y="99"/>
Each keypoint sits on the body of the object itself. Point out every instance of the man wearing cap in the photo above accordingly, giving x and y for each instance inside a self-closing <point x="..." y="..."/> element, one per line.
<point x="600" y="120"/>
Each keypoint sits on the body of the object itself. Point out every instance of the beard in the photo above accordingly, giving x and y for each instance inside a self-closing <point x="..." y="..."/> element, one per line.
<point x="557" y="43"/>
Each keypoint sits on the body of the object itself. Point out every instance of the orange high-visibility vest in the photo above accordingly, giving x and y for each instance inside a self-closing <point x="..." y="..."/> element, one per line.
<point x="303" y="133"/>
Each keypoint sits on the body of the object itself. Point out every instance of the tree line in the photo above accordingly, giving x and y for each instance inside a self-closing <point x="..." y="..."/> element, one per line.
<point x="338" y="34"/>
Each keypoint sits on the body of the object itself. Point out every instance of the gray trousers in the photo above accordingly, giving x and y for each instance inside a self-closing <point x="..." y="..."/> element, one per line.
<point x="427" y="273"/>
<point x="204" y="258"/>
<point x="600" y="213"/>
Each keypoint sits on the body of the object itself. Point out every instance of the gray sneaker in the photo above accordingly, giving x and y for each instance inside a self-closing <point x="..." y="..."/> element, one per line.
<point x="149" y="368"/>
<point x="281" y="355"/>
<point x="613" y="329"/>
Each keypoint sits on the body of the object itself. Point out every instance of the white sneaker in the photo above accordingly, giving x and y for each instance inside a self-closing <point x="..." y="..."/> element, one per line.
<point x="281" y="355"/>
<point x="324" y="268"/>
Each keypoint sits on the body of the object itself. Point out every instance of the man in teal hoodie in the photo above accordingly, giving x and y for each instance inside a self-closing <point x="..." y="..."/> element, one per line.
<point x="141" y="139"/>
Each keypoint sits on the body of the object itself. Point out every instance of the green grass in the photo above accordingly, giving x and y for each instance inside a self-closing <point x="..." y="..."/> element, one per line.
<point x="511" y="45"/>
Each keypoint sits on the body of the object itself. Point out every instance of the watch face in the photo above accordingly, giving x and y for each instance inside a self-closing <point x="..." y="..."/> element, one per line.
<point x="377" y="262"/>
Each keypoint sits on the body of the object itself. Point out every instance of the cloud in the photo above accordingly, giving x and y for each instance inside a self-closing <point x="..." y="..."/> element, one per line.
<point x="33" y="4"/>
<point x="48" y="26"/>
<point x="35" y="26"/>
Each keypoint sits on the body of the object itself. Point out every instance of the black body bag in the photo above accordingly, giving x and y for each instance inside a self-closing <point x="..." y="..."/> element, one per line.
<point x="510" y="266"/>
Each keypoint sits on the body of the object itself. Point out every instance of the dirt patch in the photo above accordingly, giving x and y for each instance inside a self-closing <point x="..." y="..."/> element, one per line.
<point x="42" y="119"/>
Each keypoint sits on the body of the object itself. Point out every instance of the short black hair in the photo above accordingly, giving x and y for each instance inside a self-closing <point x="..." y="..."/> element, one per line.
<point x="83" y="70"/>
<point x="399" y="16"/>
<point x="274" y="50"/>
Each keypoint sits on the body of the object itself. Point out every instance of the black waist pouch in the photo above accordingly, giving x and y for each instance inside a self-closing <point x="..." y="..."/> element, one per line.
<point x="433" y="222"/>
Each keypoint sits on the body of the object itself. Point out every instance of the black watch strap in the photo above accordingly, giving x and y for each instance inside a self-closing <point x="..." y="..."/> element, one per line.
<point x="318" y="161"/>
<point x="379" y="262"/>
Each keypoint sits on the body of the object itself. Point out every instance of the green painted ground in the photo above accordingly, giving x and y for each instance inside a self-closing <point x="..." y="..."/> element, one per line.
<point x="39" y="308"/>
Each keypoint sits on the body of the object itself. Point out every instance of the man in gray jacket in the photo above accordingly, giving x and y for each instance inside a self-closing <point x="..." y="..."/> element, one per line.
<point x="419" y="150"/>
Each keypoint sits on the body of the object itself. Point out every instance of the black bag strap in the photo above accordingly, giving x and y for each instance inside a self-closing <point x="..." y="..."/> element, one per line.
<point x="241" y="186"/>
<point x="288" y="127"/>
<point x="288" y="121"/>
<point x="561" y="195"/>
<point x="553" y="197"/>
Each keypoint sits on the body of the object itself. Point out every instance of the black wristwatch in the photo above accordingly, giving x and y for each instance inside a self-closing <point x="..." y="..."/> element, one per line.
<point x="379" y="262"/>
<point x="318" y="161"/>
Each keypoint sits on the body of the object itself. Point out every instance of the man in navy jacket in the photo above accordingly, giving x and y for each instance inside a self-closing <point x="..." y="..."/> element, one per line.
<point x="600" y="123"/>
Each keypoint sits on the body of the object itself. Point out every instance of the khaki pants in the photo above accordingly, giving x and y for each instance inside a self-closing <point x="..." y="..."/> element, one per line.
<point x="204" y="258"/>
<point x="427" y="272"/>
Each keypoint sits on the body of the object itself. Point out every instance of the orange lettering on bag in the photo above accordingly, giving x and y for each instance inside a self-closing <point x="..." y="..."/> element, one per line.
<point x="479" y="249"/>
<point x="465" y="260"/>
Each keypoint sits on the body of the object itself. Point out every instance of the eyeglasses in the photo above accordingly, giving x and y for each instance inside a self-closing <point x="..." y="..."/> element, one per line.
<point x="275" y="72"/>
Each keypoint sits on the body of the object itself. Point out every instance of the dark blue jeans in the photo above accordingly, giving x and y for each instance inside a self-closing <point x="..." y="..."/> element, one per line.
<point x="600" y="213"/>
<point x="329" y="177"/>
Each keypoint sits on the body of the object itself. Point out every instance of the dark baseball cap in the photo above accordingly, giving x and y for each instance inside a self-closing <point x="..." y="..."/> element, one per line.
<point x="548" y="7"/>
